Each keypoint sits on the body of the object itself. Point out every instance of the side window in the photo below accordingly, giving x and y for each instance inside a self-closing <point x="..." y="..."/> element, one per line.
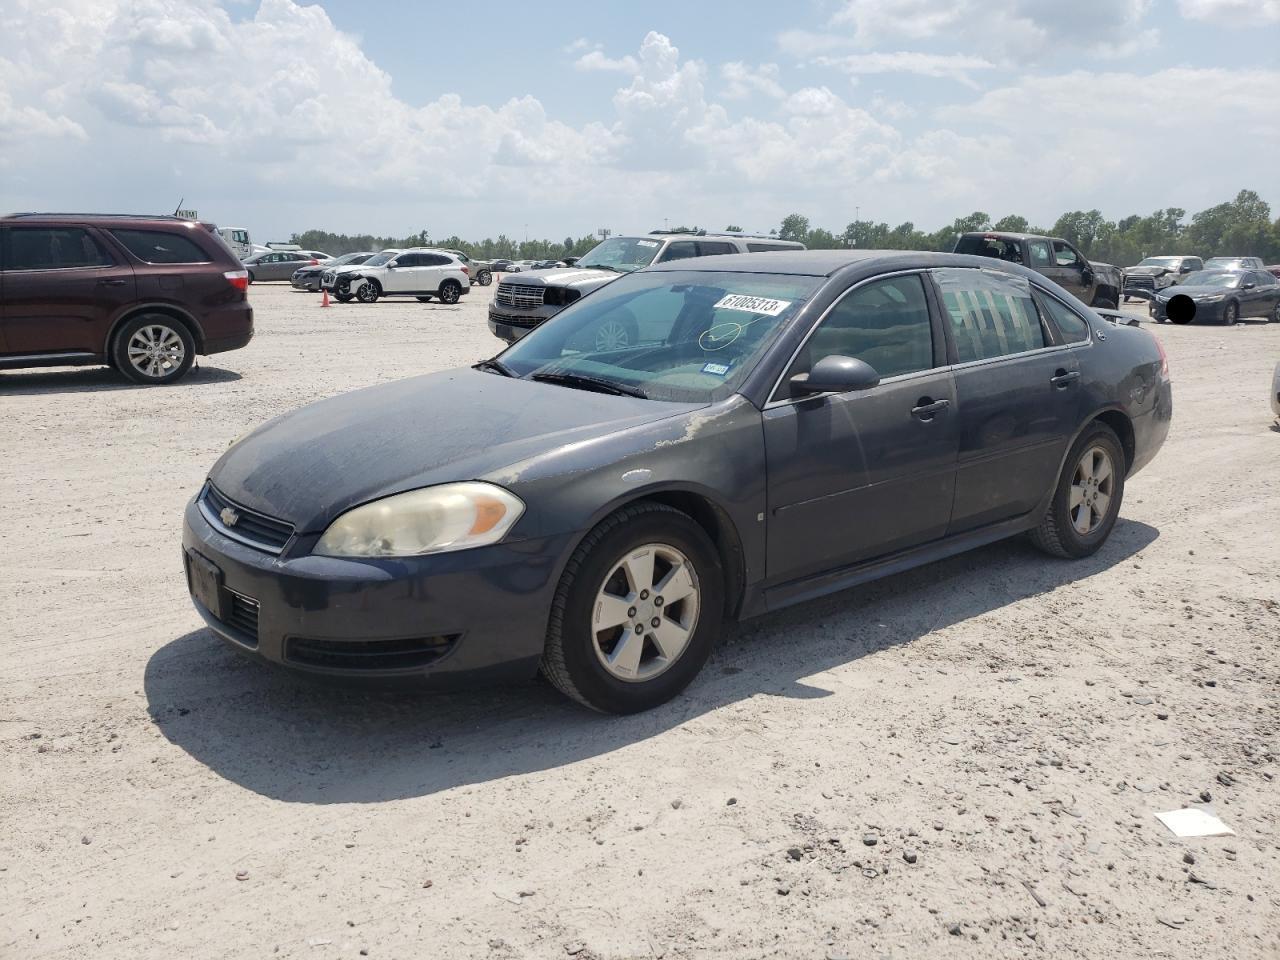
<point x="53" y="248"/>
<point x="1196" y="263"/>
<point x="708" y="249"/>
<point x="410" y="260"/>
<point x="157" y="246"/>
<point x="1075" y="329"/>
<point x="1040" y="253"/>
<point x="1266" y="279"/>
<point x="436" y="260"/>
<point x="1064" y="255"/>
<point x="990" y="314"/>
<point x="679" y="250"/>
<point x="884" y="323"/>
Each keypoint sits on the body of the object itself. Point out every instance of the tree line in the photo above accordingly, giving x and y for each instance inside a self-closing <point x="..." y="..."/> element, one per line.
<point x="1239" y="227"/>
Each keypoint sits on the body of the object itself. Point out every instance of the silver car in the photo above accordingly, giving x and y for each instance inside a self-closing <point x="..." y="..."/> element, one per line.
<point x="277" y="264"/>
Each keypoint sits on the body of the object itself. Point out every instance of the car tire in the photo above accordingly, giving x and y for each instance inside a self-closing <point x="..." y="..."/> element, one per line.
<point x="1076" y="524"/>
<point x="423" y="299"/>
<point x="154" y="349"/>
<point x="343" y="297"/>
<point x="1230" y="313"/>
<point x="252" y="278"/>
<point x="1274" y="315"/>
<point x="450" y="291"/>
<point x="484" y="278"/>
<point x="587" y="658"/>
<point x="368" y="292"/>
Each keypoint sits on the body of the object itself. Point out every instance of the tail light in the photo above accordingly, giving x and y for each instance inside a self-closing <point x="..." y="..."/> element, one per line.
<point x="1164" y="358"/>
<point x="313" y="262"/>
<point x="466" y="271"/>
<point x="238" y="279"/>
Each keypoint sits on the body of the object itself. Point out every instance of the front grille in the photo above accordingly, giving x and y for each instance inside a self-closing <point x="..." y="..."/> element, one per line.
<point x="368" y="655"/>
<point x="241" y="613"/>
<point x="250" y="528"/>
<point x="520" y="295"/>
<point x="1139" y="283"/>
<point x="513" y="321"/>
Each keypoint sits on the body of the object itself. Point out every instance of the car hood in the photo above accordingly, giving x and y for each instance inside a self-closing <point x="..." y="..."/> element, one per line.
<point x="1146" y="271"/>
<point x="564" y="277"/>
<point x="311" y="465"/>
<point x="1197" y="292"/>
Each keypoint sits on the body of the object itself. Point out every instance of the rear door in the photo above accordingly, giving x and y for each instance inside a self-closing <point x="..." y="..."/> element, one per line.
<point x="436" y="266"/>
<point x="1018" y="392"/>
<point x="63" y="286"/>
<point x="859" y="475"/>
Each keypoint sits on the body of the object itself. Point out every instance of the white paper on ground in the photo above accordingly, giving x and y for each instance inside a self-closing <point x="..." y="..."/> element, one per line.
<point x="1194" y="822"/>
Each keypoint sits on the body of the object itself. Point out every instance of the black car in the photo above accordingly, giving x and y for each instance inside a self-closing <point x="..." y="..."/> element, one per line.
<point x="308" y="277"/>
<point x="1220" y="296"/>
<point x="788" y="425"/>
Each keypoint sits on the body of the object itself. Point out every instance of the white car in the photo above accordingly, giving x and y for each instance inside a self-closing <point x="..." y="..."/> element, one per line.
<point x="421" y="272"/>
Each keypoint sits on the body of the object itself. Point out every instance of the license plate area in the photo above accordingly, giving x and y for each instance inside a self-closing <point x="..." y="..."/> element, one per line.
<point x="205" y="582"/>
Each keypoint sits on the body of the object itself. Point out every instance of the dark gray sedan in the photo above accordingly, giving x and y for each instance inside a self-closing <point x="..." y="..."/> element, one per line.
<point x="1220" y="296"/>
<point x="787" y="425"/>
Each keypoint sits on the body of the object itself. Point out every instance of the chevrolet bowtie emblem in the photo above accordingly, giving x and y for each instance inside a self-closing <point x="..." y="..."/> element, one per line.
<point x="229" y="516"/>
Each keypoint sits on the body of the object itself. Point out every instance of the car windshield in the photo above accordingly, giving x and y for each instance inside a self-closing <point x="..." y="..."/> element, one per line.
<point x="378" y="259"/>
<point x="684" y="336"/>
<point x="1168" y="263"/>
<point x="1224" y="262"/>
<point x="621" y="254"/>
<point x="1211" y="278"/>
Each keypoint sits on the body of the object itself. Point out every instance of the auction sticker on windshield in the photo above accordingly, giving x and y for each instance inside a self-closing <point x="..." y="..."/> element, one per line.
<point x="760" y="305"/>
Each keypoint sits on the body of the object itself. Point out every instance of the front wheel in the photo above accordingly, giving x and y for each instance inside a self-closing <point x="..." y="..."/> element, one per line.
<point x="450" y="291"/>
<point x="1087" y="499"/>
<point x="637" y="611"/>
<point x="153" y="349"/>
<point x="484" y="278"/>
<point x="368" y="292"/>
<point x="1230" y="314"/>
<point x="1106" y="303"/>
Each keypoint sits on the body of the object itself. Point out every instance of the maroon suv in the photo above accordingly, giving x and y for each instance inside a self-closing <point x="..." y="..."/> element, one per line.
<point x="141" y="294"/>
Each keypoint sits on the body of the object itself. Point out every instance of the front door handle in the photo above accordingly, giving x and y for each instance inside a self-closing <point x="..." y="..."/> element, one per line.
<point x="112" y="283"/>
<point x="1064" y="378"/>
<point x="926" y="408"/>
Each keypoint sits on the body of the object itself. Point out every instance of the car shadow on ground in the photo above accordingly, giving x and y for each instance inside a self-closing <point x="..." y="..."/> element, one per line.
<point x="97" y="379"/>
<point x="285" y="737"/>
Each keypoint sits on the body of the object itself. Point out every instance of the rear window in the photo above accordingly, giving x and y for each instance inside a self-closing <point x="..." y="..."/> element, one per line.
<point x="999" y="249"/>
<point x="160" y="246"/>
<point x="767" y="248"/>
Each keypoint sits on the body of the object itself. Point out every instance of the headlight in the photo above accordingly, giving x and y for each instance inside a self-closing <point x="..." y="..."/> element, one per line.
<point x="1213" y="299"/>
<point x="456" y="516"/>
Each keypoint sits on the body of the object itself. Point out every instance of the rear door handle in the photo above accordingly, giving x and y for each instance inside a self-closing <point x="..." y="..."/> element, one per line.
<point x="1064" y="378"/>
<point x="927" y="408"/>
<point x="113" y="283"/>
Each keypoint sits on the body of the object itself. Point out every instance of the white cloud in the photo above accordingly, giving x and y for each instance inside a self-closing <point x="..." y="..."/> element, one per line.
<point x="1239" y="13"/>
<point x="595" y="60"/>
<point x="743" y="80"/>
<point x="946" y="66"/>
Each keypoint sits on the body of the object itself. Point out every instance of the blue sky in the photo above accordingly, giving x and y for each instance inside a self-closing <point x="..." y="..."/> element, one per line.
<point x="398" y="116"/>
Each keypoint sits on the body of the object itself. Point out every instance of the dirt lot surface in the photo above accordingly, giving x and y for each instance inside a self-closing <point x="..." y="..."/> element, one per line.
<point x="1009" y="722"/>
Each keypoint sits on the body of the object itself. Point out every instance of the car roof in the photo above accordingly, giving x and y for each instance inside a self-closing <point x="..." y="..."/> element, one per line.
<point x="822" y="263"/>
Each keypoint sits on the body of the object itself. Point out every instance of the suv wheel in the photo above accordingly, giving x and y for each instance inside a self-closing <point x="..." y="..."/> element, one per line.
<point x="1087" y="499"/>
<point x="450" y="291"/>
<point x="368" y="292"/>
<point x="637" y="611"/>
<point x="484" y="278"/>
<point x="153" y="349"/>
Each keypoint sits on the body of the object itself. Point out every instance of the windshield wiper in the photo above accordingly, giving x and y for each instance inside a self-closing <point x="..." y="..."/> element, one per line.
<point x="578" y="381"/>
<point x="497" y="366"/>
<point x="597" y="266"/>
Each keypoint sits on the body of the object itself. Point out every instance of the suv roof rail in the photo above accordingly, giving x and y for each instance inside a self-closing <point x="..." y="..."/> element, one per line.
<point x="718" y="233"/>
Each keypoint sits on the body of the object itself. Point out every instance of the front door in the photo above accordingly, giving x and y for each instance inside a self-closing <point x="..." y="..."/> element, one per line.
<point x="62" y="287"/>
<point x="859" y="475"/>
<point x="1018" y="393"/>
<point x="1067" y="270"/>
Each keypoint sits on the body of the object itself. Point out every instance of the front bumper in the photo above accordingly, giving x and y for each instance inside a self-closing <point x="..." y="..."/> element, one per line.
<point x="454" y="619"/>
<point x="512" y="326"/>
<point x="1205" y="312"/>
<point x="310" y="283"/>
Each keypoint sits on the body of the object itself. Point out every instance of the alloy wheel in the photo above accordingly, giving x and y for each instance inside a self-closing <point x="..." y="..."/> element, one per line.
<point x="645" y="612"/>
<point x="611" y="335"/>
<point x="449" y="293"/>
<point x="155" y="351"/>
<point x="1092" y="486"/>
<point x="1229" y="314"/>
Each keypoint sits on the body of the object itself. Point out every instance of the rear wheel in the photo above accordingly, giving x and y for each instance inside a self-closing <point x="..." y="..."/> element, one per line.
<point x="153" y="349"/>
<point x="1087" y="499"/>
<point x="1274" y="315"/>
<point x="637" y="611"/>
<point x="484" y="278"/>
<point x="1230" y="314"/>
<point x="251" y="276"/>
<point x="368" y="292"/>
<point x="450" y="291"/>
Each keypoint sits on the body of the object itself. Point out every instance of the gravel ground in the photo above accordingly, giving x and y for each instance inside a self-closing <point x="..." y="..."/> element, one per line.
<point x="961" y="761"/>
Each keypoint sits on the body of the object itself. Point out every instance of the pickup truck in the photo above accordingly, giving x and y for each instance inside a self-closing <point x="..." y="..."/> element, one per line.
<point x="1094" y="284"/>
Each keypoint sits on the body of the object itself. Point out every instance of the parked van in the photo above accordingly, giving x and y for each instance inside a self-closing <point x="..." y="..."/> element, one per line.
<point x="237" y="239"/>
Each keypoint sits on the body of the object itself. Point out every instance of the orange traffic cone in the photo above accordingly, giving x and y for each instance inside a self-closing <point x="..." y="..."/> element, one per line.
<point x="325" y="301"/>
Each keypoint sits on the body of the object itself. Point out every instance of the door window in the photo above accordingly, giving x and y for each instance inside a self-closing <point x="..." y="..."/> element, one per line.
<point x="1064" y="255"/>
<point x="434" y="260"/>
<point x="680" y="250"/>
<point x="990" y="314"/>
<point x="1074" y="328"/>
<point x="1039" y="253"/>
<point x="52" y="248"/>
<point x="885" y="324"/>
<point x="409" y="260"/>
<point x="709" y="249"/>
<point x="157" y="246"/>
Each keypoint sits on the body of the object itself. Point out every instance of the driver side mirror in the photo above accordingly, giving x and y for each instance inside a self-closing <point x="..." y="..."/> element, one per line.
<point x="834" y="374"/>
<point x="1185" y="268"/>
<point x="1248" y="285"/>
<point x="394" y="263"/>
